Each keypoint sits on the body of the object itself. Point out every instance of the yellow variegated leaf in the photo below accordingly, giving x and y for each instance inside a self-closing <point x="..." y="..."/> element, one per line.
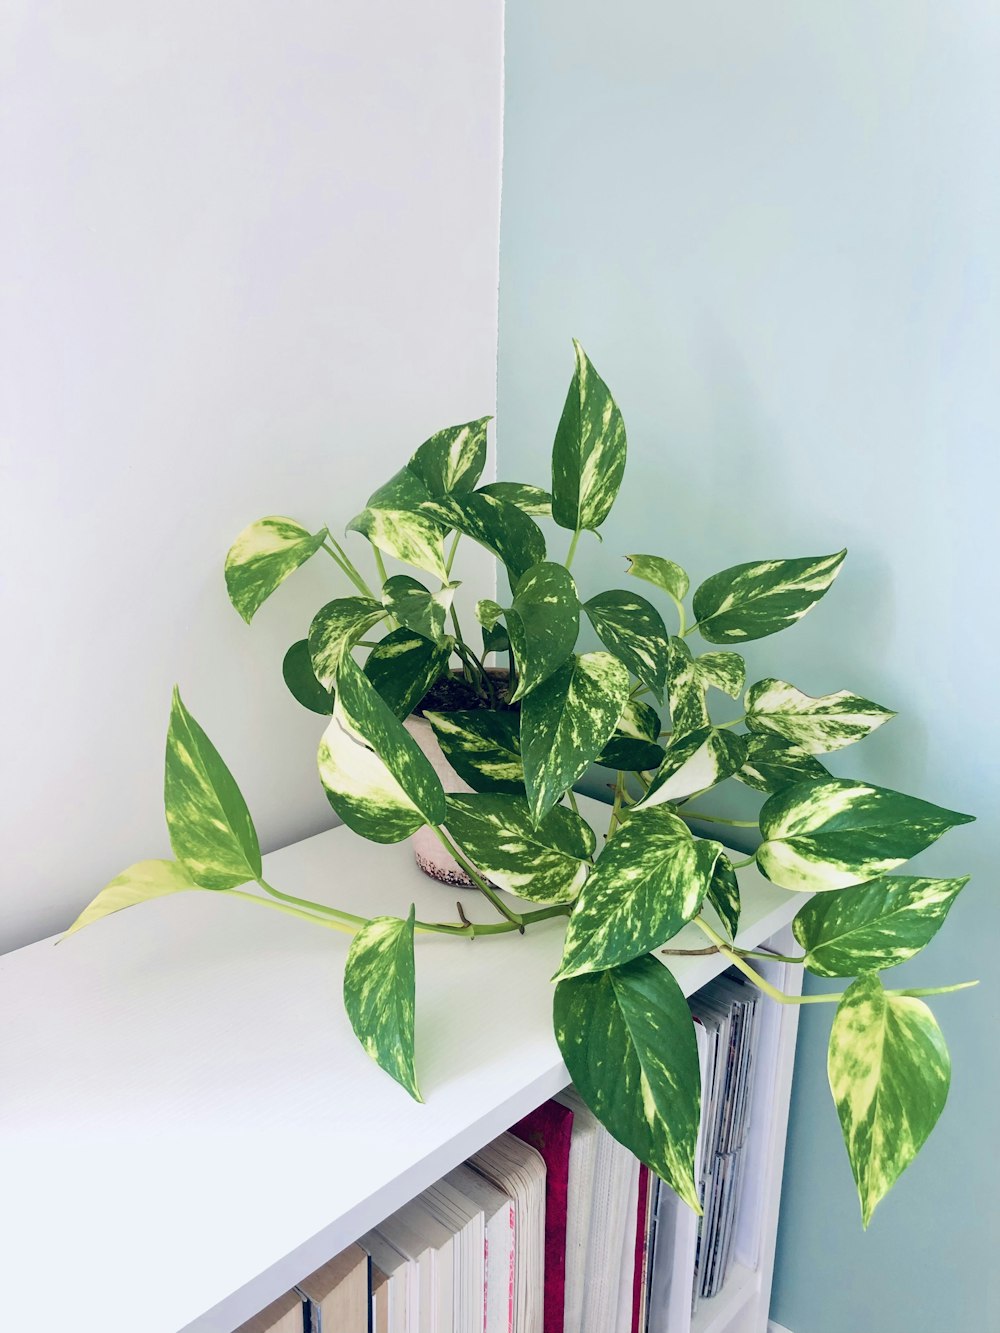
<point x="818" y="726"/>
<point x="379" y="995"/>
<point x="263" y="556"/>
<point x="138" y="884"/>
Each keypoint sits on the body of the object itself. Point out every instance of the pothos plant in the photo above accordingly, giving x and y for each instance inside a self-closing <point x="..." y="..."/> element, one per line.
<point x="640" y="705"/>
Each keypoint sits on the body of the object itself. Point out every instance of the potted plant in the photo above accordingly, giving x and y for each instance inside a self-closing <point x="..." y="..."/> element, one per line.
<point x="425" y="738"/>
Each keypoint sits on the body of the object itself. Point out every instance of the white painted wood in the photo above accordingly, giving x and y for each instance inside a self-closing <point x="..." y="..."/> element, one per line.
<point x="189" y="1126"/>
<point x="772" y="1327"/>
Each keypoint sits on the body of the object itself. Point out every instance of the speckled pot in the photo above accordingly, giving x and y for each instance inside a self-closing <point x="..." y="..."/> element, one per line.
<point x="431" y="857"/>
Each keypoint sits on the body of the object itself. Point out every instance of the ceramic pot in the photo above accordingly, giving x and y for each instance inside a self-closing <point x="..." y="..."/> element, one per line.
<point x="431" y="857"/>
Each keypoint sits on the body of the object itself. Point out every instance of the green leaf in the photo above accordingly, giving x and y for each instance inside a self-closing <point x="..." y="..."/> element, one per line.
<point x="529" y="499"/>
<point x="663" y="574"/>
<point x="416" y="607"/>
<point x="630" y="755"/>
<point x="588" y="456"/>
<point x="726" y="671"/>
<point x="495" y="640"/>
<point x="639" y="720"/>
<point x="692" y="763"/>
<point x="628" y="1041"/>
<point x="838" y="832"/>
<point x="873" y="926"/>
<point x="544" y="863"/>
<point x="753" y="600"/>
<point x="632" y="629"/>
<point x="300" y="678"/>
<point x="334" y="630"/>
<point x="488" y="612"/>
<point x="816" y="725"/>
<point x="724" y="893"/>
<point x="502" y="528"/>
<point x="772" y="763"/>
<point x="403" y="490"/>
<point x="138" y="884"/>
<point x="543" y="624"/>
<point x="649" y="882"/>
<point x="410" y="535"/>
<point x="566" y="722"/>
<point x="483" y="747"/>
<point x="380" y="993"/>
<point x="685" y="690"/>
<point x="403" y="667"/>
<point x="376" y="776"/>
<point x="209" y="824"/>
<point x="889" y="1073"/>
<point x="453" y="459"/>
<point x="262" y="556"/>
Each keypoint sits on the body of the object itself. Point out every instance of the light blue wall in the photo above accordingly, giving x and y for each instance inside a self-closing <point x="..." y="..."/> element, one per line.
<point x="775" y="228"/>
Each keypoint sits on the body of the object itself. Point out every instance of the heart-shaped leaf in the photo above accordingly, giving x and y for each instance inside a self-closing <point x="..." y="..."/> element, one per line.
<point x="543" y="623"/>
<point x="495" y="639"/>
<point x="685" y="690"/>
<point x="693" y="763"/>
<point x="138" y="884"/>
<point x="632" y="629"/>
<point x="544" y="863"/>
<point x="514" y="538"/>
<point x="650" y="880"/>
<point x="209" y="824"/>
<point x="752" y="600"/>
<point x="403" y="667"/>
<point x="639" y="720"/>
<point x="663" y="574"/>
<point x="452" y="460"/>
<point x="263" y="556"/>
<point x="628" y="1041"/>
<point x="724" y="893"/>
<point x="334" y="630"/>
<point x="834" y="833"/>
<point x="483" y="747"/>
<point x="816" y="725"/>
<point x="409" y="535"/>
<point x="529" y="499"/>
<point x="873" y="926"/>
<point x="297" y="670"/>
<point x="631" y="756"/>
<point x="772" y="763"/>
<point x="379" y="996"/>
<point x="416" y="607"/>
<point x="889" y="1073"/>
<point x="566" y="722"/>
<point x="588" y="456"/>
<point x="726" y="671"/>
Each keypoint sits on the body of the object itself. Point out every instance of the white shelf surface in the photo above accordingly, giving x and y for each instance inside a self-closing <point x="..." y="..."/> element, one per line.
<point x="187" y="1124"/>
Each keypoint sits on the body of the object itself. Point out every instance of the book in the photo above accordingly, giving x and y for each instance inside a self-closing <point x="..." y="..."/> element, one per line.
<point x="283" y="1316"/>
<point x="336" y="1297"/>
<point x="466" y="1220"/>
<point x="430" y="1247"/>
<point x="513" y="1166"/>
<point x="549" y="1130"/>
<point x="498" y="1245"/>
<point x="391" y="1280"/>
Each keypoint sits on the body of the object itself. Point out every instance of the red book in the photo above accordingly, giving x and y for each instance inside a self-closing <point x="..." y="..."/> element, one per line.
<point x="641" y="1269"/>
<point x="549" y="1130"/>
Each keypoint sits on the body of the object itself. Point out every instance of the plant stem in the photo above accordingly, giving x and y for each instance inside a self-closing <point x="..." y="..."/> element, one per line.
<point x="681" y="617"/>
<point x="346" y="918"/>
<point x="616" y="817"/>
<point x="477" y="879"/>
<point x="738" y="865"/>
<point x="735" y="722"/>
<point x="380" y="564"/>
<point x="346" y="566"/>
<point x="451" y="554"/>
<point x="716" y="819"/>
<point x="329" y="922"/>
<point x="572" y="548"/>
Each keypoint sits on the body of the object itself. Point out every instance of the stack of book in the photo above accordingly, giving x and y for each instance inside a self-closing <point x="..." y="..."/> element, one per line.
<point x="553" y="1227"/>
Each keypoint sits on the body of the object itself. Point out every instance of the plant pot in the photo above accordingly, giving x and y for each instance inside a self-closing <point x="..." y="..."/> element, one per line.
<point x="432" y="858"/>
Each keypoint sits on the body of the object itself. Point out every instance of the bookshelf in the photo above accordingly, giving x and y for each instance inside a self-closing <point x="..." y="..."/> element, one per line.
<point x="189" y="1127"/>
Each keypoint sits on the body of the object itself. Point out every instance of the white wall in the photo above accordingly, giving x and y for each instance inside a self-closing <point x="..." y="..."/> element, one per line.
<point x="250" y="257"/>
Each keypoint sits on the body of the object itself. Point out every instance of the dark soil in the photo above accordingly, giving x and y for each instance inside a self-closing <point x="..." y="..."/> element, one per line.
<point x="453" y="693"/>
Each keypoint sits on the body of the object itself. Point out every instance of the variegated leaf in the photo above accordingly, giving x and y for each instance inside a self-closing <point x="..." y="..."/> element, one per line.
<point x="838" y="832"/>
<point x="529" y="499"/>
<point x="297" y="670"/>
<point x="724" y="893"/>
<point x="685" y="690"/>
<point x="545" y="863"/>
<point x="452" y="461"/>
<point x="628" y="1041"/>
<point x="639" y="720"/>
<point x="409" y="535"/>
<point x="543" y="624"/>
<point x="403" y="667"/>
<point x="488" y="612"/>
<point x="632" y="629"/>
<point x="772" y="763"/>
<point x="138" y="884"/>
<point x="889" y="1073"/>
<point x="483" y="747"/>
<point x="588" y="456"/>
<point x="650" y="880"/>
<point x="334" y="630"/>
<point x="566" y="722"/>
<point x="416" y="607"/>
<point x="752" y="600"/>
<point x="726" y="671"/>
<point x="873" y="926"/>
<point x="380" y="994"/>
<point x="817" y="725"/>
<point x="663" y="574"/>
<point x="263" y="556"/>
<point x="403" y="490"/>
<point x="631" y="756"/>
<point x="514" y="538"/>
<point x="693" y="763"/>
<point x="209" y="824"/>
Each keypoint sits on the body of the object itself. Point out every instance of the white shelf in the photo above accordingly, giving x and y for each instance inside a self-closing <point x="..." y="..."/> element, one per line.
<point x="716" y="1313"/>
<point x="188" y="1124"/>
